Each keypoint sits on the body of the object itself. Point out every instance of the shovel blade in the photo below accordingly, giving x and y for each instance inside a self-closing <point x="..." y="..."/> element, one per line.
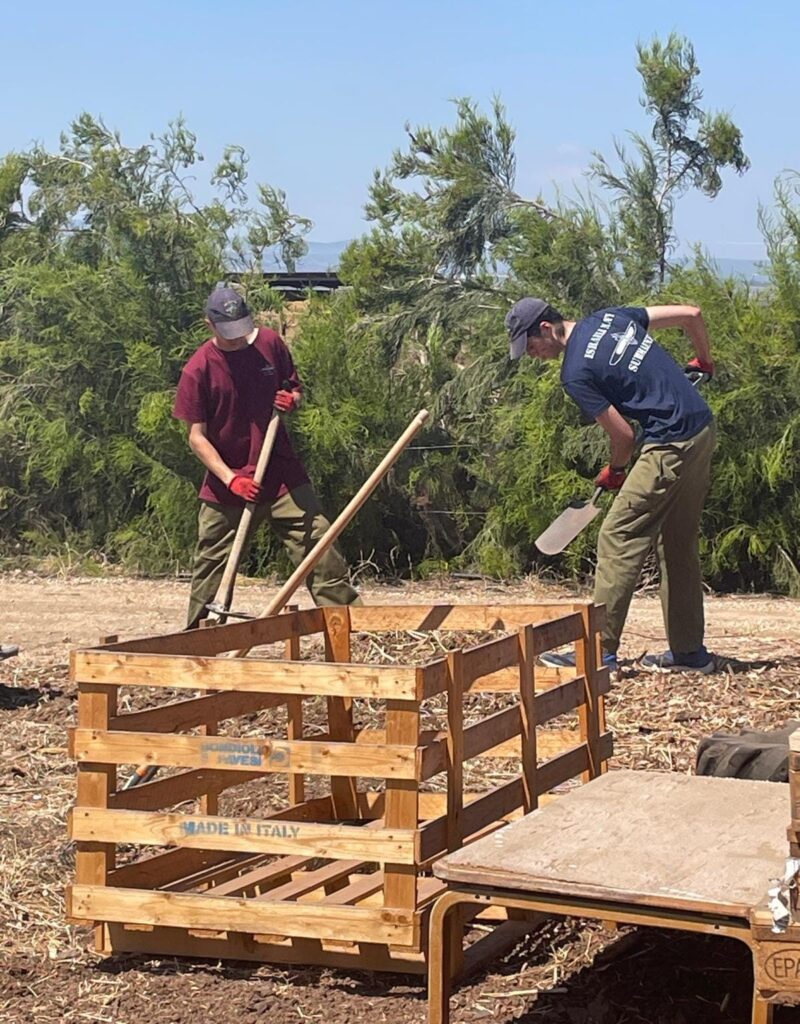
<point x="566" y="528"/>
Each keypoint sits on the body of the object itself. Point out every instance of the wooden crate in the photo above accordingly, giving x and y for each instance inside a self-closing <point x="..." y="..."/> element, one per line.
<point x="343" y="878"/>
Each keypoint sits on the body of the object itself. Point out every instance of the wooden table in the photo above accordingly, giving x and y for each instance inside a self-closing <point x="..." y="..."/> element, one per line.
<point x="644" y="848"/>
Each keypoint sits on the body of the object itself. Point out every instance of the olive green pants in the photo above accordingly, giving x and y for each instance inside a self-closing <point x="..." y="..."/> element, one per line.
<point x="659" y="506"/>
<point x="298" y="521"/>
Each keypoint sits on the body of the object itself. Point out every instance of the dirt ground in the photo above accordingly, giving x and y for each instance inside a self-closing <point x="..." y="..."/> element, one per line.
<point x="563" y="974"/>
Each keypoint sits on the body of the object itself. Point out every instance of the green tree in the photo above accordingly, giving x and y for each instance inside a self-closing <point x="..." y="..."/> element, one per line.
<point x="689" y="149"/>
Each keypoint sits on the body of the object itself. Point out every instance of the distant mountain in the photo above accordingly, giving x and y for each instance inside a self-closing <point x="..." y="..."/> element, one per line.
<point x="752" y="271"/>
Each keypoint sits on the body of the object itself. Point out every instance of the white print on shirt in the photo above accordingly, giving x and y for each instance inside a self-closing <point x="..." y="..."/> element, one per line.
<point x="598" y="336"/>
<point x="640" y="353"/>
<point x="624" y="341"/>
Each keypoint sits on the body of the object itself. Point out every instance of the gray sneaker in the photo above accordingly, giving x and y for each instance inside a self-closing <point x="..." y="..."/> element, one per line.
<point x="8" y="651"/>
<point x="698" y="661"/>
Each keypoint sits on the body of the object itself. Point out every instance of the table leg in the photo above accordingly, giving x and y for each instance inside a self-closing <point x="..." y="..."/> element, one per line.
<point x="762" y="1011"/>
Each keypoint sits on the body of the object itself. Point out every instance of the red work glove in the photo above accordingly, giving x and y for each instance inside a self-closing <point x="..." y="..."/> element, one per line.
<point x="697" y="365"/>
<point x="610" y="478"/>
<point x="285" y="401"/>
<point x="245" y="487"/>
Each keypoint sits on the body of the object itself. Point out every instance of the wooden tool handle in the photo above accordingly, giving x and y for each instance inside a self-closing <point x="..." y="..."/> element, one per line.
<point x="342" y="520"/>
<point x="225" y="589"/>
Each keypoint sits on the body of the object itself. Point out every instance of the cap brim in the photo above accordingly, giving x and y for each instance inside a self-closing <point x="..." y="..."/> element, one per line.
<point x="230" y="329"/>
<point x="518" y="346"/>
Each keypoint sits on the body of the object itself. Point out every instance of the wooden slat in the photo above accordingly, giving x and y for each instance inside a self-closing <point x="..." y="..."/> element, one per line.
<point x="548" y="635"/>
<point x="245" y="674"/>
<point x="478" y="814"/>
<point x="246" y="835"/>
<point x="309" y="881"/>
<point x="455" y="749"/>
<point x="567" y="697"/>
<point x="434" y="678"/>
<point x="489" y="657"/>
<point x="574" y="762"/>
<point x="549" y="742"/>
<point x="358" y="889"/>
<point x="187" y="910"/>
<point x="527" y="717"/>
<point x="588" y="659"/>
<point x="187" y="714"/>
<point x="152" y="872"/>
<point x="242" y="754"/>
<point x="506" y="680"/>
<point x="175" y="789"/>
<point x="340" y="709"/>
<point x="251" y="883"/>
<point x="294" y="720"/>
<point x="230" y="637"/>
<point x="214" y="874"/>
<point x="402" y="802"/>
<point x="172" y="942"/>
<point x="388" y="618"/>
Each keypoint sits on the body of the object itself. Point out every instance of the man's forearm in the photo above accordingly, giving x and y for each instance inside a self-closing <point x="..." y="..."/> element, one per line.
<point x="698" y="335"/>
<point x="210" y="457"/>
<point x="621" y="451"/>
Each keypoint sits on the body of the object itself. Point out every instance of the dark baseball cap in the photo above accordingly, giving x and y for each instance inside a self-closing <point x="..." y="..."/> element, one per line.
<point x="228" y="312"/>
<point x="522" y="316"/>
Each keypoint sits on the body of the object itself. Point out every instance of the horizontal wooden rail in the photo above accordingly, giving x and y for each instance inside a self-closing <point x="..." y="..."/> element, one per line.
<point x="187" y="910"/>
<point x="187" y="714"/>
<point x="571" y="763"/>
<point x="489" y="657"/>
<point x="243" y="754"/>
<point x="175" y="789"/>
<point x="304" y="678"/>
<point x="209" y="642"/>
<point x="556" y="633"/>
<point x="462" y="617"/>
<point x="476" y="815"/>
<point x="243" y="835"/>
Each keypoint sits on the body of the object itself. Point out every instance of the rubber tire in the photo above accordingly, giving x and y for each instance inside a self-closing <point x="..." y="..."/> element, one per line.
<point x="759" y="756"/>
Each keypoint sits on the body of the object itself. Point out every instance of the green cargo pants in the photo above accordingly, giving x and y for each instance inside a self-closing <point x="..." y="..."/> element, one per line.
<point x="297" y="519"/>
<point x="659" y="506"/>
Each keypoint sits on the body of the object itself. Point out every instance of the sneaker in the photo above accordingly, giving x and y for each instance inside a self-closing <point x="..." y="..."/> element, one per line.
<point x="553" y="660"/>
<point x="8" y="651"/>
<point x="698" y="661"/>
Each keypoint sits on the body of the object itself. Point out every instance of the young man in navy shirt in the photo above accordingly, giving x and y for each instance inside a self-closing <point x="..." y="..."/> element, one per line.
<point x="615" y="372"/>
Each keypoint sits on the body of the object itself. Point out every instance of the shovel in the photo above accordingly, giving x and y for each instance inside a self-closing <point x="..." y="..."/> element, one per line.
<point x="575" y="517"/>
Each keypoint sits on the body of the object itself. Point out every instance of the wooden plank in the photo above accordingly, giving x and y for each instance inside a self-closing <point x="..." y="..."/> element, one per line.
<point x="294" y="720"/>
<point x="456" y="662"/>
<point x="390" y="618"/>
<point x="359" y="889"/>
<point x="176" y="789"/>
<point x="308" y="882"/>
<point x="164" y="868"/>
<point x="489" y="657"/>
<point x="402" y="802"/>
<point x="527" y="717"/>
<point x="556" y="633"/>
<point x="587" y="662"/>
<point x="309" y="920"/>
<point x="566" y="766"/>
<point x="567" y="697"/>
<point x="252" y="883"/>
<point x="549" y="742"/>
<point x="172" y="942"/>
<point x="434" y="678"/>
<point x="244" y="835"/>
<point x="245" y="753"/>
<point x="254" y="675"/>
<point x="214" y="874"/>
<point x="218" y="639"/>
<point x="480" y="813"/>
<point x="187" y="714"/>
<point x="96" y="781"/>
<point x="340" y="709"/>
<point x="506" y="680"/>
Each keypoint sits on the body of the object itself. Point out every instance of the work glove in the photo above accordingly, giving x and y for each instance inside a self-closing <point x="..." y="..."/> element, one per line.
<point x="610" y="478"/>
<point x="285" y="401"/>
<point x="245" y="487"/>
<point x="700" y="366"/>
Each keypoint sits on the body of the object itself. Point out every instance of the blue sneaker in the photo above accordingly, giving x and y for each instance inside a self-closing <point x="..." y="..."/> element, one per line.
<point x="553" y="660"/>
<point x="698" y="661"/>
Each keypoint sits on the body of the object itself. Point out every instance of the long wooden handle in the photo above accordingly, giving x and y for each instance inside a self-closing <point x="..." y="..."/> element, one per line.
<point x="225" y="589"/>
<point x="342" y="520"/>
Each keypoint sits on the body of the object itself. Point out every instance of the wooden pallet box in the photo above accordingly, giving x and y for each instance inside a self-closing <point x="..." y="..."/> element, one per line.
<point x="340" y="875"/>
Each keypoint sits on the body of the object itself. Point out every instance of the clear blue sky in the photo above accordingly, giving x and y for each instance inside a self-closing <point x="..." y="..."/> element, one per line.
<point x="318" y="92"/>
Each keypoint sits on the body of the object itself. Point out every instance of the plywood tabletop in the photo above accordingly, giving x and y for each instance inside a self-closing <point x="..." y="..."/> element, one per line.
<point x="654" y="839"/>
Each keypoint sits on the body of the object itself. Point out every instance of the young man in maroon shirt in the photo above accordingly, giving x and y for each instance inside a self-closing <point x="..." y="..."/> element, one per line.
<point x="226" y="394"/>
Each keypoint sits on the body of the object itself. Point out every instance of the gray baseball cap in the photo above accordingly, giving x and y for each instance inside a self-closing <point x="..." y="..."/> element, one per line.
<point x="522" y="316"/>
<point x="228" y="312"/>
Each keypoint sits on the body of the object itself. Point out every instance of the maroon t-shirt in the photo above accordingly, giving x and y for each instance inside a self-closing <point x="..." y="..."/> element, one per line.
<point x="233" y="393"/>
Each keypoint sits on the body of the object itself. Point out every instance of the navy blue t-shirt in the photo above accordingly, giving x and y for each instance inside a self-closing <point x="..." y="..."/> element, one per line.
<point x="610" y="359"/>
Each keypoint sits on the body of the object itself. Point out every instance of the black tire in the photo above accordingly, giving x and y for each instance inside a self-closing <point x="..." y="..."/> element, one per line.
<point x="760" y="756"/>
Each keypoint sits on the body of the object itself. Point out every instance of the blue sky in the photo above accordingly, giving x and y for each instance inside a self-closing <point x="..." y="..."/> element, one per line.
<point x="318" y="92"/>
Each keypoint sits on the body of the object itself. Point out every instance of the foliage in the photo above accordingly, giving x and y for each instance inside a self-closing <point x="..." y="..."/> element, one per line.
<point x="689" y="149"/>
